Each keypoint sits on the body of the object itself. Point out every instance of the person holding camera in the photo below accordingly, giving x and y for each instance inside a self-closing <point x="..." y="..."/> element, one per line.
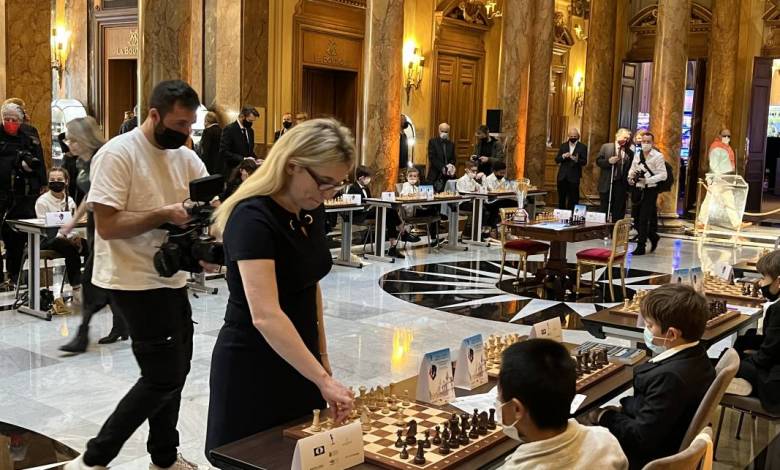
<point x="648" y="168"/>
<point x="487" y="151"/>
<point x="138" y="182"/>
<point x="22" y="180"/>
<point x="270" y="363"/>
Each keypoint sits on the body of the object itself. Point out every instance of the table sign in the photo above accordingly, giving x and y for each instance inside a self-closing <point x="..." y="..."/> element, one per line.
<point x="388" y="196"/>
<point x="353" y="198"/>
<point x="561" y="214"/>
<point x="471" y="365"/>
<point x="723" y="270"/>
<point x="336" y="449"/>
<point x="58" y="218"/>
<point x="435" y="384"/>
<point x="427" y="189"/>
<point x="596" y="217"/>
<point x="697" y="279"/>
<point x="550" y="329"/>
<point x="580" y="210"/>
<point x="681" y="276"/>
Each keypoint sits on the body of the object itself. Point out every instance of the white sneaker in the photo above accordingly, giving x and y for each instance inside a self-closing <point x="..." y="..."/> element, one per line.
<point x="180" y="464"/>
<point x="78" y="464"/>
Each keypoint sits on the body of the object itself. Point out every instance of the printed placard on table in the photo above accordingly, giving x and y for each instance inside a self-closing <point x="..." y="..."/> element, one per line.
<point x="596" y="217"/>
<point x="427" y="189"/>
<point x="388" y="196"/>
<point x="697" y="279"/>
<point x="436" y="384"/>
<point x="580" y="210"/>
<point x="471" y="365"/>
<point x="550" y="329"/>
<point x="681" y="276"/>
<point x="335" y="449"/>
<point x="356" y="199"/>
<point x="723" y="270"/>
<point x="58" y="218"/>
<point x="561" y="214"/>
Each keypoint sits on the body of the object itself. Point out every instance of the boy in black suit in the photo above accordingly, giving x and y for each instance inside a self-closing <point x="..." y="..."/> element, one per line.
<point x="667" y="389"/>
<point x="760" y="354"/>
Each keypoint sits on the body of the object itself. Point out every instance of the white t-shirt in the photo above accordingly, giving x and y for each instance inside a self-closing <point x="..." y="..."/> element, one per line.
<point x="130" y="174"/>
<point x="47" y="203"/>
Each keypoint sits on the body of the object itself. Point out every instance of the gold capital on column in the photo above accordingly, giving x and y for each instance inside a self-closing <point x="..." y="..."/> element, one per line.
<point x="599" y="69"/>
<point x="383" y="75"/>
<point x="668" y="90"/>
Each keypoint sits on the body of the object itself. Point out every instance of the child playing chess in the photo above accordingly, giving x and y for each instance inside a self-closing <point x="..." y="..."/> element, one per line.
<point x="669" y="388"/>
<point x="470" y="181"/>
<point x="536" y="386"/>
<point x="760" y="353"/>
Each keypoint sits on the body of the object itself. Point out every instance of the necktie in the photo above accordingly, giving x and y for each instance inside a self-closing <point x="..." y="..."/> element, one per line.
<point x="246" y="137"/>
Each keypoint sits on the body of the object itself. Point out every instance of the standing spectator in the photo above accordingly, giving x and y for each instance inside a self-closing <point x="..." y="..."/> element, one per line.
<point x="209" y="143"/>
<point x="130" y="122"/>
<point x="441" y="158"/>
<point x="648" y="168"/>
<point x="238" y="140"/>
<point x="403" y="150"/>
<point x="287" y="124"/>
<point x="300" y="117"/>
<point x="615" y="160"/>
<point x="487" y="151"/>
<point x="572" y="156"/>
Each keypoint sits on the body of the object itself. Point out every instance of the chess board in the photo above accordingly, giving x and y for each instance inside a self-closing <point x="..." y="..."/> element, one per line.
<point x="545" y="217"/>
<point x="379" y="443"/>
<point x="412" y="197"/>
<point x="632" y="309"/>
<point x="717" y="287"/>
<point x="338" y="202"/>
<point x="447" y="195"/>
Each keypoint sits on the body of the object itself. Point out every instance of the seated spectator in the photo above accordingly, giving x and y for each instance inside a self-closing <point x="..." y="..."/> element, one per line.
<point x="536" y="386"/>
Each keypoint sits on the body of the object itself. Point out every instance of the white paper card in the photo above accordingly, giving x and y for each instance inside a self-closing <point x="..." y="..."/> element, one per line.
<point x="697" y="279"/>
<point x="427" y="189"/>
<point x="550" y="329"/>
<point x="353" y="198"/>
<point x="723" y="270"/>
<point x="336" y="449"/>
<point x="471" y="365"/>
<point x="481" y="401"/>
<point x="596" y="217"/>
<point x="388" y="196"/>
<point x="58" y="218"/>
<point x="580" y="210"/>
<point x="435" y="384"/>
<point x="681" y="276"/>
<point x="561" y="214"/>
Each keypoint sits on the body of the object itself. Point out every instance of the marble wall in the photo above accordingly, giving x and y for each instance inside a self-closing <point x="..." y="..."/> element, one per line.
<point x="76" y="75"/>
<point x="382" y="57"/>
<point x="418" y="28"/>
<point x="27" y="61"/>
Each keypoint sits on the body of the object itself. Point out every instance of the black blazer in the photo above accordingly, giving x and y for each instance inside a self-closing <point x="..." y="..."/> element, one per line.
<point x="234" y="147"/>
<point x="441" y="152"/>
<point x="571" y="170"/>
<point x="654" y="420"/>
<point x="762" y="368"/>
<point x="354" y="188"/>
<point x="209" y="149"/>
<point x="607" y="151"/>
<point x="280" y="133"/>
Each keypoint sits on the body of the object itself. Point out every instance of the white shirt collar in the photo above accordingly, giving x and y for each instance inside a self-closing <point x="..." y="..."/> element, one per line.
<point x="239" y="123"/>
<point x="671" y="352"/>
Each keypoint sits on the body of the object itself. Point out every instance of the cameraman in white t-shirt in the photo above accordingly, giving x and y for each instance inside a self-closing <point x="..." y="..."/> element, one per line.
<point x="139" y="182"/>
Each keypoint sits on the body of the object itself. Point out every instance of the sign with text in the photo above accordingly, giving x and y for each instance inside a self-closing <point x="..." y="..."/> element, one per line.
<point x="352" y="198"/>
<point x="697" y="279"/>
<point x="723" y="270"/>
<point x="58" y="218"/>
<point x="428" y="191"/>
<point x="435" y="384"/>
<point x="550" y="329"/>
<point x="336" y="449"/>
<point x="561" y="214"/>
<point x="596" y="217"/>
<point x="681" y="276"/>
<point x="388" y="196"/>
<point x="471" y="365"/>
<point x="580" y="210"/>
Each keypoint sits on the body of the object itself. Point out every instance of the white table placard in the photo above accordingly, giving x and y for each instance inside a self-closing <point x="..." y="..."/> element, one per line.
<point x="388" y="196"/>
<point x="336" y="449"/>
<point x="697" y="279"/>
<point x="580" y="210"/>
<point x="428" y="190"/>
<point x="561" y="214"/>
<point x="435" y="384"/>
<point x="471" y="365"/>
<point x="352" y="198"/>
<point x="723" y="270"/>
<point x="596" y="217"/>
<point x="58" y="218"/>
<point x="550" y="329"/>
<point x="681" y="276"/>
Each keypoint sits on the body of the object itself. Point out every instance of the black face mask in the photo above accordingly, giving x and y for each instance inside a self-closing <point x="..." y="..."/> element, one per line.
<point x="169" y="138"/>
<point x="247" y="124"/>
<point x="768" y="295"/>
<point x="57" y="186"/>
<point x="286" y="124"/>
<point x="573" y="141"/>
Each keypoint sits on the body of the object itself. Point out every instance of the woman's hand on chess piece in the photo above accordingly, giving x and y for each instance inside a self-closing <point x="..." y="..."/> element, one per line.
<point x="339" y="398"/>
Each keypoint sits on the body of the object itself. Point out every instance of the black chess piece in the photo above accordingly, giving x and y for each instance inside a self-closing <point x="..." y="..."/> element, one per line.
<point x="427" y="442"/>
<point x="464" y="437"/>
<point x="491" y="424"/>
<point x="437" y="436"/>
<point x="454" y="428"/>
<point x="475" y="418"/>
<point x="483" y="423"/>
<point x="404" y="453"/>
<point x="474" y="433"/>
<point x="465" y="424"/>
<point x="454" y="442"/>
<point x="444" y="448"/>
<point x="400" y="442"/>
<point x="419" y="458"/>
<point x="411" y="433"/>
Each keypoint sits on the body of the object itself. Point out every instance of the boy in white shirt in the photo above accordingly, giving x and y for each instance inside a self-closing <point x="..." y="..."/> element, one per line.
<point x="536" y="386"/>
<point x="470" y="181"/>
<point x="412" y="186"/>
<point x="72" y="247"/>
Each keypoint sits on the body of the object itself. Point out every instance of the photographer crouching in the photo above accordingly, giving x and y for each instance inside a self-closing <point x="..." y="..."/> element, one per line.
<point x="648" y="169"/>
<point x="138" y="182"/>
<point x="22" y="180"/>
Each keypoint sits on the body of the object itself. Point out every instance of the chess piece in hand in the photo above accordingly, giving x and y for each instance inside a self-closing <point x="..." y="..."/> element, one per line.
<point x="339" y="398"/>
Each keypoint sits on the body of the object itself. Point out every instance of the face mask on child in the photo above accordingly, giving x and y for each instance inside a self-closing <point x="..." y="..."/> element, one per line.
<point x="510" y="430"/>
<point x="649" y="337"/>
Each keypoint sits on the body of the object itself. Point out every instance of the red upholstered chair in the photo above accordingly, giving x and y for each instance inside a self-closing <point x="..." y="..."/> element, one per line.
<point x="522" y="247"/>
<point x="603" y="257"/>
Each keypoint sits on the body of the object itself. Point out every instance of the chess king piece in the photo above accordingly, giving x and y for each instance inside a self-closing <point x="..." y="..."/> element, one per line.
<point x="419" y="458"/>
<point x="404" y="453"/>
<point x="315" y="424"/>
<point x="411" y="433"/>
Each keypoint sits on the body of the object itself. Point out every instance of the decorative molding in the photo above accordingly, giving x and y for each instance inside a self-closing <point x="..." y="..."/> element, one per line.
<point x="771" y="30"/>
<point x="563" y="34"/>
<point x="468" y="13"/>
<point x="645" y="22"/>
<point x="349" y="3"/>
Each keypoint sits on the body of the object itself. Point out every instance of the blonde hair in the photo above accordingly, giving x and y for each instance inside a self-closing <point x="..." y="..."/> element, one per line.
<point x="622" y="132"/>
<point x="86" y="132"/>
<point x="310" y="144"/>
<point x="210" y="118"/>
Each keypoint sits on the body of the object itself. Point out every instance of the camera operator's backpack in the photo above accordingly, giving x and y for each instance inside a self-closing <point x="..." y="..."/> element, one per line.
<point x="666" y="185"/>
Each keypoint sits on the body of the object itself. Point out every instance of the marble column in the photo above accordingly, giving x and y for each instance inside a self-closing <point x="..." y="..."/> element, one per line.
<point x="382" y="76"/>
<point x="164" y="45"/>
<point x="721" y="76"/>
<point x="599" y="69"/>
<point x="668" y="90"/>
<point x="539" y="91"/>
<point x="513" y="81"/>
<point x="26" y="61"/>
<point x="76" y="75"/>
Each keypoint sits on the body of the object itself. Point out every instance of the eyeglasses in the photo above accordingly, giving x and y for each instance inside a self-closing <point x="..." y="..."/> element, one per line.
<point x="727" y="135"/>
<point x="323" y="185"/>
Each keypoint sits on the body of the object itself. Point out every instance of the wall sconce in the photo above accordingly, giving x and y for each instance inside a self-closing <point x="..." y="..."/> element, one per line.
<point x="413" y="68"/>
<point x="491" y="8"/>
<point x="579" y="87"/>
<point x="579" y="32"/>
<point x="59" y="49"/>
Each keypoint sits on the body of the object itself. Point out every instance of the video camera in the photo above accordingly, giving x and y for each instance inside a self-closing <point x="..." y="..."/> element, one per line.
<point x="26" y="156"/>
<point x="186" y="246"/>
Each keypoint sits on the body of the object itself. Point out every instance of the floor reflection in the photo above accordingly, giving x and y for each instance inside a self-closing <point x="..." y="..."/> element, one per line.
<point x="21" y="448"/>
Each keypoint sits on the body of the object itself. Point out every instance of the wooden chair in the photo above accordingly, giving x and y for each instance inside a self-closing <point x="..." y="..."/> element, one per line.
<point x="522" y="247"/>
<point x="603" y="257"/>
<point x="744" y="405"/>
<point x="694" y="457"/>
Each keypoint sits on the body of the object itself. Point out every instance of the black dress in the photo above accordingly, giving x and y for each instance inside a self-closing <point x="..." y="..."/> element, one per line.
<point x="252" y="387"/>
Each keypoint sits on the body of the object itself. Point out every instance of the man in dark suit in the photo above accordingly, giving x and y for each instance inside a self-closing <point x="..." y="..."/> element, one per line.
<point x="572" y="156"/>
<point x="238" y="140"/>
<point x="487" y="151"/>
<point x="209" y="143"/>
<point x="615" y="160"/>
<point x="287" y="124"/>
<point x="441" y="158"/>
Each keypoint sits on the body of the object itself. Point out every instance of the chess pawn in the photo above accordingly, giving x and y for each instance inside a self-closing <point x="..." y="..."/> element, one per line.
<point x="463" y="439"/>
<point x="404" y="453"/>
<point x="399" y="418"/>
<point x="444" y="448"/>
<point x="385" y="407"/>
<point x="437" y="436"/>
<point x="491" y="424"/>
<point x="474" y="433"/>
<point x="419" y="457"/>
<point x="406" y="398"/>
<point x="400" y="441"/>
<point x="393" y="403"/>
<point x="427" y="441"/>
<point x="315" y="424"/>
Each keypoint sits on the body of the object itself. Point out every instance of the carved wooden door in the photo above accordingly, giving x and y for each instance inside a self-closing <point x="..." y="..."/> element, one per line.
<point x="757" y="129"/>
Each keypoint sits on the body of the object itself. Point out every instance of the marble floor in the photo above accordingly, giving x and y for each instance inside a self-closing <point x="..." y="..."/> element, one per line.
<point x="374" y="338"/>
